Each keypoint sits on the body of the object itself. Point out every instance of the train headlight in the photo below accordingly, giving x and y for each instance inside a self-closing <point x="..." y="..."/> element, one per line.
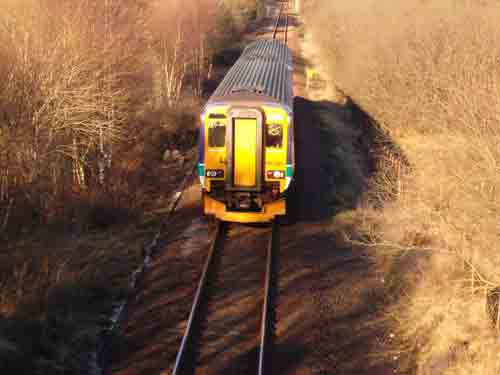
<point x="276" y="174"/>
<point x="214" y="173"/>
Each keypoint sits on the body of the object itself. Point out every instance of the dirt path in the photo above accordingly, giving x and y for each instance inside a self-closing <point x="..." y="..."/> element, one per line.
<point x="330" y="292"/>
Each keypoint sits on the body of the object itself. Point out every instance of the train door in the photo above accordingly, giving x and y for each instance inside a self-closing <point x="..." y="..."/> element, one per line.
<point x="244" y="154"/>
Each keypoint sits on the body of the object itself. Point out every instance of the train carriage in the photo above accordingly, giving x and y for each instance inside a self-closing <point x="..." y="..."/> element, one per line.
<point x="246" y="149"/>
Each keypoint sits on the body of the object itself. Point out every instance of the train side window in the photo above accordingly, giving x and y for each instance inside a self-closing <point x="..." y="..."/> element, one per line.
<point x="216" y="134"/>
<point x="274" y="135"/>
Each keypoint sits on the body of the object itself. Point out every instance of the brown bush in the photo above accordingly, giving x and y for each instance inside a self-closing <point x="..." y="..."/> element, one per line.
<point x="80" y="81"/>
<point x="428" y="73"/>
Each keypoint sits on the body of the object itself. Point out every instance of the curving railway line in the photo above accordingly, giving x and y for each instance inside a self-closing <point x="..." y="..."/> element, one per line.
<point x="194" y="339"/>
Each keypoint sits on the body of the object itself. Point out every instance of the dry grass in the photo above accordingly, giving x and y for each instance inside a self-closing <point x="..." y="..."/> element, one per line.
<point x="428" y="73"/>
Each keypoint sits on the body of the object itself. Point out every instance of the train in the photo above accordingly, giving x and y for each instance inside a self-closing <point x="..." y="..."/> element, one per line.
<point x="246" y="155"/>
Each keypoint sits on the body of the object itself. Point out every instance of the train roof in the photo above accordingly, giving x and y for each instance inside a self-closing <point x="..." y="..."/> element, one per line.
<point x="264" y="71"/>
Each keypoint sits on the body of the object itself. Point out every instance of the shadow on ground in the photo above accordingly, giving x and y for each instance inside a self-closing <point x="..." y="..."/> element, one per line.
<point x="54" y="330"/>
<point x="151" y="326"/>
<point x="330" y="303"/>
<point x="332" y="294"/>
<point x="339" y="151"/>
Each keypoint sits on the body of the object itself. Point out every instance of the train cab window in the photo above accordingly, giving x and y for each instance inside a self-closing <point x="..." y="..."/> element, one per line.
<point x="274" y="136"/>
<point x="216" y="134"/>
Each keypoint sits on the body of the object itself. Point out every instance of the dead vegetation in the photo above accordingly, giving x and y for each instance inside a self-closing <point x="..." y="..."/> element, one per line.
<point x="428" y="73"/>
<point x="81" y="82"/>
<point x="99" y="104"/>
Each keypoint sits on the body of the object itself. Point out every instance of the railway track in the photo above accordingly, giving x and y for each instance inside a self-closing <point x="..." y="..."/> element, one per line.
<point x="282" y="17"/>
<point x="187" y="358"/>
<point x="190" y="348"/>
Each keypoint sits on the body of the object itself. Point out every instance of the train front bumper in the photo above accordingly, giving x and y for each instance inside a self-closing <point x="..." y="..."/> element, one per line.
<point x="268" y="212"/>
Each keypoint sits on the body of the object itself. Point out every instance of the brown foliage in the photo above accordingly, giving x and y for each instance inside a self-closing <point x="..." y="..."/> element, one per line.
<point x="428" y="72"/>
<point x="80" y="80"/>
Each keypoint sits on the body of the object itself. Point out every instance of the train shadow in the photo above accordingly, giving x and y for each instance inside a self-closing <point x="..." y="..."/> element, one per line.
<point x="328" y="175"/>
<point x="339" y="150"/>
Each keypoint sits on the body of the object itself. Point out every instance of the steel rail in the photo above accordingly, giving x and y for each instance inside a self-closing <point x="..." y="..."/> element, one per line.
<point x="268" y="319"/>
<point x="286" y="29"/>
<point x="277" y="23"/>
<point x="182" y="358"/>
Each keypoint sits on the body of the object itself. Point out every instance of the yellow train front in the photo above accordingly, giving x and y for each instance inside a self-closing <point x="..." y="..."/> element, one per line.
<point x="246" y="149"/>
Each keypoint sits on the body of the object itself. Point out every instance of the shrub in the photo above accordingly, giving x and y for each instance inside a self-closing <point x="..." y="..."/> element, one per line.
<point x="80" y="83"/>
<point x="427" y="72"/>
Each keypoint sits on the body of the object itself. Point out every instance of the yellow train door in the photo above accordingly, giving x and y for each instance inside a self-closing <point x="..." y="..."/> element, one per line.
<point x="245" y="152"/>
